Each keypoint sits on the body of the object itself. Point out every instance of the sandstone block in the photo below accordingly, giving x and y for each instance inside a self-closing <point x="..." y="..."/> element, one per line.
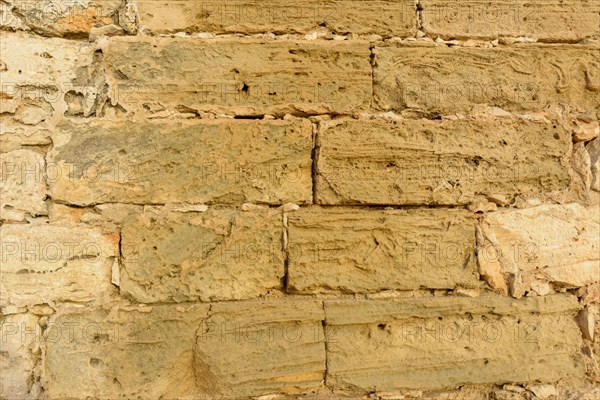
<point x="442" y="80"/>
<point x="551" y="243"/>
<point x="242" y="77"/>
<point x="438" y="162"/>
<point x="593" y="149"/>
<point x="61" y="18"/>
<point x="225" y="161"/>
<point x="220" y="254"/>
<point x="385" y="18"/>
<point x="448" y="342"/>
<point x="21" y="337"/>
<point x="359" y="251"/>
<point x="144" y="352"/>
<point x="564" y="21"/>
<point x="260" y="348"/>
<point x="55" y="263"/>
<point x="22" y="184"/>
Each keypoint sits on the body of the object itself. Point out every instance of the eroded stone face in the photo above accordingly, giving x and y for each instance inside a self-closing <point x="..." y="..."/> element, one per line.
<point x="549" y="243"/>
<point x="125" y="351"/>
<point x="256" y="348"/>
<point x="247" y="77"/>
<point x="549" y="21"/>
<point x="360" y="251"/>
<point x="223" y="162"/>
<point x="22" y="184"/>
<point x="441" y="80"/>
<point x="417" y="162"/>
<point x="493" y="339"/>
<point x="52" y="263"/>
<point x="387" y="18"/>
<point x="220" y="254"/>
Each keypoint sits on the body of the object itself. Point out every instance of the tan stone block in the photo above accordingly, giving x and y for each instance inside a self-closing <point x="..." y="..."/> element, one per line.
<point x="50" y="263"/>
<point x="438" y="162"/>
<point x="260" y="347"/>
<point x="241" y="77"/>
<point x="220" y="254"/>
<point x="221" y="161"/>
<point x="361" y="251"/>
<point x="443" y="80"/>
<point x="552" y="243"/>
<point x="62" y="18"/>
<point x="447" y="342"/>
<point x="382" y="17"/>
<point x="22" y="184"/>
<point x="144" y="352"/>
<point x="20" y="347"/>
<point x="557" y="21"/>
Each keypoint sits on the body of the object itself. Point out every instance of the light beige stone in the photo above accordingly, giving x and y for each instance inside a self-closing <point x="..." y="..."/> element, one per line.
<point x="241" y="77"/>
<point x="20" y="347"/>
<point x="384" y="17"/>
<point x="442" y="80"/>
<point x="220" y="254"/>
<point x="587" y="321"/>
<point x="71" y="19"/>
<point x="260" y="348"/>
<point x="51" y="263"/>
<point x="438" y="162"/>
<point x="552" y="243"/>
<point x="144" y="352"/>
<point x="22" y="184"/>
<point x="593" y="149"/>
<point x="557" y="21"/>
<point x="448" y="342"/>
<point x="361" y="251"/>
<point x="219" y="161"/>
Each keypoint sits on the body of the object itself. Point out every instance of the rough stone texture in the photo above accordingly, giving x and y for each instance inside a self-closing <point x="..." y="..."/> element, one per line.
<point x="257" y="348"/>
<point x="22" y="184"/>
<point x="144" y="352"/>
<point x="37" y="74"/>
<point x="593" y="148"/>
<point x="357" y="251"/>
<point x="438" y="162"/>
<point x="450" y="341"/>
<point x="552" y="243"/>
<point x="382" y="17"/>
<point x="442" y="80"/>
<point x="220" y="254"/>
<point x="242" y="77"/>
<point x="72" y="19"/>
<point x="21" y="336"/>
<point x="48" y="263"/>
<point x="556" y="21"/>
<point x="214" y="161"/>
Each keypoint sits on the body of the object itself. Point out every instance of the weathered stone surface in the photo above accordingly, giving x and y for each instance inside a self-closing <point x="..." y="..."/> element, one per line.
<point x="438" y="162"/>
<point x="358" y="251"/>
<point x="22" y="184"/>
<point x="21" y="336"/>
<point x="55" y="263"/>
<point x="37" y="74"/>
<point x="382" y="17"/>
<point x="447" y="342"/>
<point x="559" y="21"/>
<point x="552" y="243"/>
<point x="72" y="19"/>
<point x="593" y="148"/>
<point x="245" y="77"/>
<point x="222" y="161"/>
<point x="220" y="254"/>
<point x="442" y="80"/>
<point x="258" y="348"/>
<point x="146" y="352"/>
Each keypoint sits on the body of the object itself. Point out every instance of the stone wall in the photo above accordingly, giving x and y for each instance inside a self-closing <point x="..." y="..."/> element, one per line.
<point x="358" y="199"/>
